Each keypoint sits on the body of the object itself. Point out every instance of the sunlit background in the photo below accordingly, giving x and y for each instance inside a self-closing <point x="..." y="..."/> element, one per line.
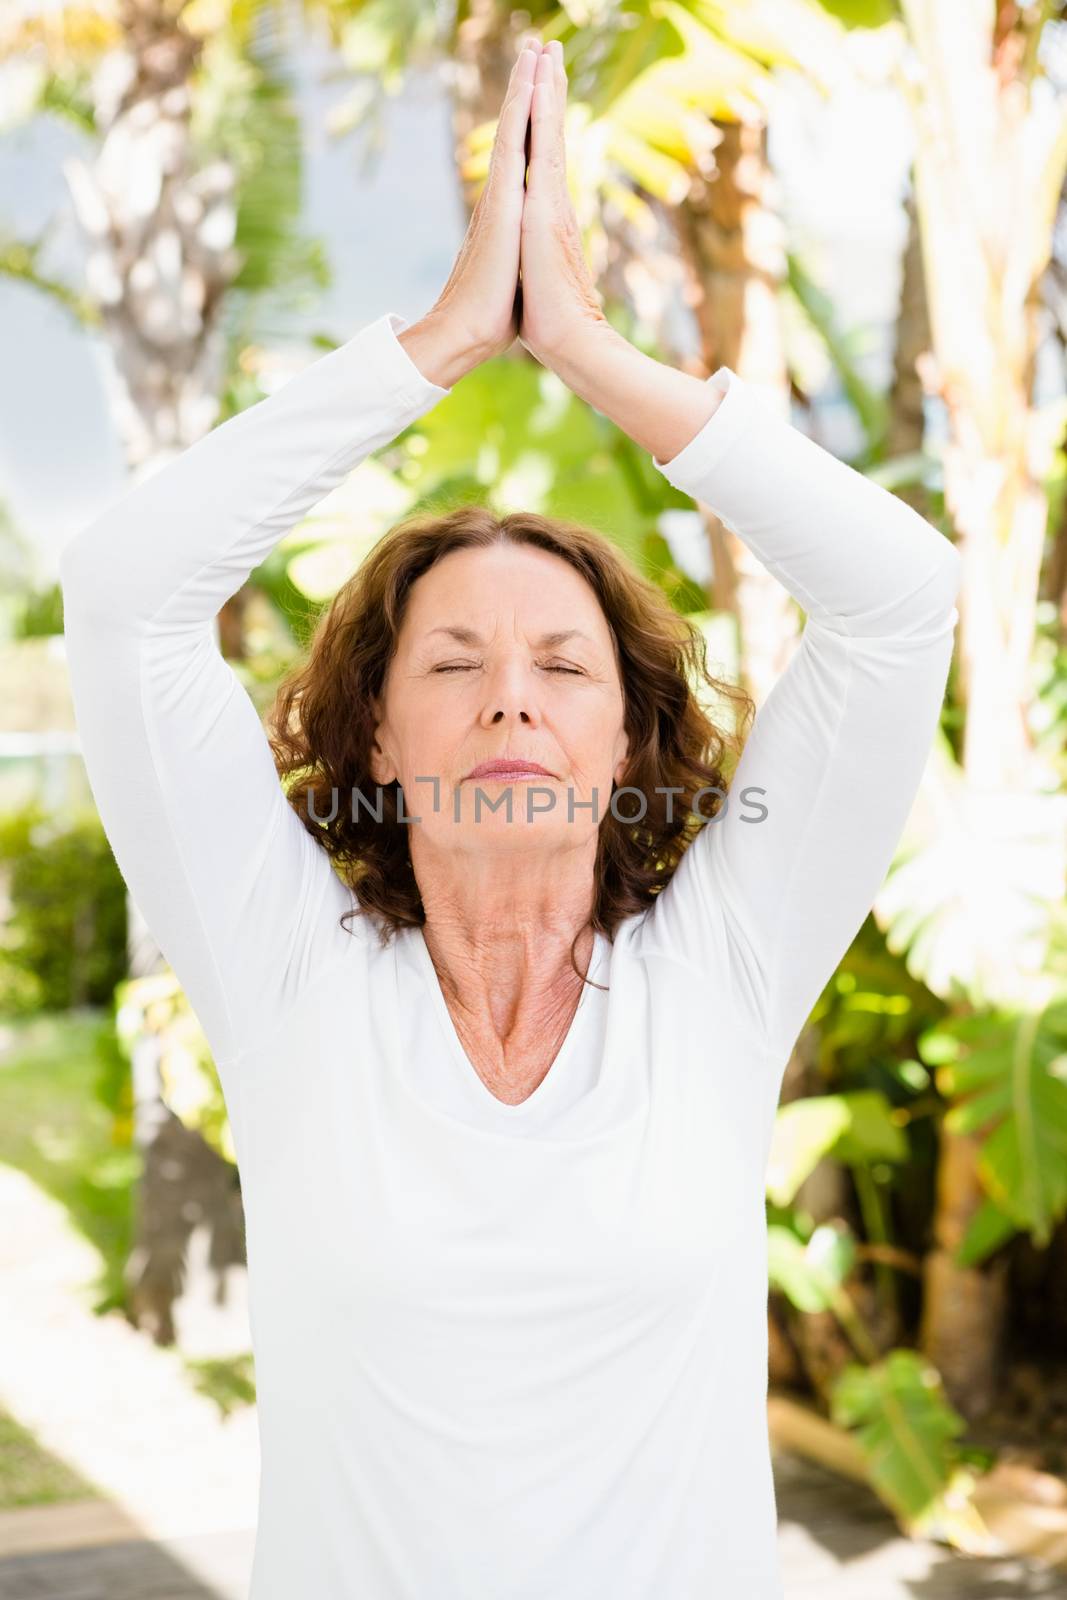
<point x="859" y="205"/>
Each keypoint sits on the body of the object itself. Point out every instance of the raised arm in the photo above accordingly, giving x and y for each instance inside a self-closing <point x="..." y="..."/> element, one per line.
<point x="772" y="894"/>
<point x="831" y="766"/>
<point x="837" y="749"/>
<point x="243" y="902"/>
<point x="232" y="885"/>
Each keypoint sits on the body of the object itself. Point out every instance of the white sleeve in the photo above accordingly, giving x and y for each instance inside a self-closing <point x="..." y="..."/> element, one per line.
<point x="783" y="879"/>
<point x="231" y="884"/>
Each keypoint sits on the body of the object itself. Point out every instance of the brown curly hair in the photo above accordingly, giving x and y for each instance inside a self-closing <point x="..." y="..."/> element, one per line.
<point x="321" y="725"/>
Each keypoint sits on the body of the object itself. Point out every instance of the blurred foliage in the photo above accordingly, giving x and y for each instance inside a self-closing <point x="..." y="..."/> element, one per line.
<point x="228" y="1381"/>
<point x="189" y="1082"/>
<point x="906" y="1043"/>
<point x="511" y="437"/>
<point x="64" y="1121"/>
<point x="29" y="607"/>
<point x="63" y="942"/>
<point x="911" y="1437"/>
<point x="245" y="114"/>
<point x="41" y="613"/>
<point x="1004" y="1076"/>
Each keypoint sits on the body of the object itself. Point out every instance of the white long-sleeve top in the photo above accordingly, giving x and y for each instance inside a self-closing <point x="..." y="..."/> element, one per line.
<point x="504" y="1352"/>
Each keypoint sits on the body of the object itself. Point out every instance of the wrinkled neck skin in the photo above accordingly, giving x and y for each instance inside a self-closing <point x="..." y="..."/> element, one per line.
<point x="499" y="928"/>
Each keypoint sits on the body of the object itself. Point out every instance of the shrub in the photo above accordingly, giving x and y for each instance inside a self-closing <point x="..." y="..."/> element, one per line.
<point x="64" y="939"/>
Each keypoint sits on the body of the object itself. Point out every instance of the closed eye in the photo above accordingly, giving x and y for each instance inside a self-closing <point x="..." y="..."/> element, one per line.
<point x="470" y="666"/>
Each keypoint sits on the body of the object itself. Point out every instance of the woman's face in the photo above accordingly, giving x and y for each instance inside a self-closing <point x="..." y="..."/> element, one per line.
<point x="476" y="677"/>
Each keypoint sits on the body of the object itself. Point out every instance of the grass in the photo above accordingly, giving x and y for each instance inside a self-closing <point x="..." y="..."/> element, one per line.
<point x="30" y="1476"/>
<point x="56" y="1129"/>
<point x="229" y="1381"/>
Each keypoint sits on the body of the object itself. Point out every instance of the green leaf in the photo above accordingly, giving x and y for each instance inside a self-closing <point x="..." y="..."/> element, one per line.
<point x="862" y="13"/>
<point x="872" y="1132"/>
<point x="988" y="1229"/>
<point x="1008" y="1082"/>
<point x="905" y="1426"/>
<point x="804" y="1132"/>
<point x="600" y="499"/>
<point x="855" y="1126"/>
<point x="809" y="1273"/>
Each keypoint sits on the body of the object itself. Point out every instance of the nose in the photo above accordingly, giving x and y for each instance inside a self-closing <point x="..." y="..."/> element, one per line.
<point x="510" y="695"/>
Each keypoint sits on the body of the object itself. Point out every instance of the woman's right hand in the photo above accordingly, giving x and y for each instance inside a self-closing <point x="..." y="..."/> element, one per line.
<point x="476" y="313"/>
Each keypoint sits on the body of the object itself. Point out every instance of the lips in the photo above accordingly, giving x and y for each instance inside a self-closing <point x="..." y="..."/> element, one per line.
<point x="509" y="769"/>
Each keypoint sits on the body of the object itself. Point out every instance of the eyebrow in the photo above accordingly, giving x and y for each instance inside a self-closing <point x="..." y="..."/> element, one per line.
<point x="547" y="640"/>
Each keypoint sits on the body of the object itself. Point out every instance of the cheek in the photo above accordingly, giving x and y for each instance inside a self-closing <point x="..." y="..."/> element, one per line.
<point x="418" y="718"/>
<point x="591" y="728"/>
<point x="590" y="745"/>
<point x="432" y="732"/>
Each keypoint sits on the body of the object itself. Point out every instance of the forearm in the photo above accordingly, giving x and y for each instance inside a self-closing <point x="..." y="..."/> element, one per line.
<point x="854" y="556"/>
<point x="174" y="548"/>
<point x="239" y="897"/>
<point x="440" y="349"/>
<point x="660" y="408"/>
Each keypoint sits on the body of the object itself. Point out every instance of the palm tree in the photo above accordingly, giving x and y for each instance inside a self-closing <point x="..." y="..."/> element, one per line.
<point x="187" y="204"/>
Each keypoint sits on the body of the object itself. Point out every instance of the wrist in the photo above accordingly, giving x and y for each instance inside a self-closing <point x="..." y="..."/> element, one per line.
<point x="587" y="357"/>
<point x="443" y="352"/>
<point x="659" y="407"/>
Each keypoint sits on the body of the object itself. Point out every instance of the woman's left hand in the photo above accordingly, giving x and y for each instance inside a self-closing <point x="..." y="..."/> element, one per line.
<point x="559" y="301"/>
<point x="478" y="305"/>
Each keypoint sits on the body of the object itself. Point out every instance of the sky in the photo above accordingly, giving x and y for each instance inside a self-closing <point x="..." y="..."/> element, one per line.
<point x="391" y="235"/>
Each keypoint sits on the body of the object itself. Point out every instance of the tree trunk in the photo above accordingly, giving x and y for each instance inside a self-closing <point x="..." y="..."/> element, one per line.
<point x="906" y="431"/>
<point x="160" y="259"/>
<point x="964" y="1308"/>
<point x="732" y="239"/>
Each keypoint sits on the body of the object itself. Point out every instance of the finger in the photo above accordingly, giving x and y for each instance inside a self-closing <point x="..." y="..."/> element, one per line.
<point x="560" y="85"/>
<point x="561" y="101"/>
<point x="546" y="131"/>
<point x="522" y="72"/>
<point x="525" y="62"/>
<point x="514" y="115"/>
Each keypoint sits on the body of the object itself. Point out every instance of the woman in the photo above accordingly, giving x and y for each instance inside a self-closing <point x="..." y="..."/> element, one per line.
<point x="505" y="1226"/>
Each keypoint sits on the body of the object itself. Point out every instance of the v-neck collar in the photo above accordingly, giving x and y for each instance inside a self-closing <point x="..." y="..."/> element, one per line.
<point x="546" y="1089"/>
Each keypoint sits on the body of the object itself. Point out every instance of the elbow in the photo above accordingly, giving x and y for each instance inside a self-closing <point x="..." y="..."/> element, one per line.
<point x="952" y="562"/>
<point x="929" y="609"/>
<point x="942" y="588"/>
<point x="73" y="570"/>
<point x="925" y="604"/>
<point x="87" y="577"/>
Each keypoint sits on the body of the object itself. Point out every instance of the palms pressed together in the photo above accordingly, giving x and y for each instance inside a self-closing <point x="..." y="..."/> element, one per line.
<point x="521" y="270"/>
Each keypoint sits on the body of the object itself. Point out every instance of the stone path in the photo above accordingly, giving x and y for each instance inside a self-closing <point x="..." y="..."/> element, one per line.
<point x="211" y="1566"/>
<point x="103" y="1397"/>
<point x="837" y="1544"/>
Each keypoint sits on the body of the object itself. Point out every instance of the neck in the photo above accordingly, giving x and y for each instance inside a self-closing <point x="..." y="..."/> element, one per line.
<point x="499" y="933"/>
